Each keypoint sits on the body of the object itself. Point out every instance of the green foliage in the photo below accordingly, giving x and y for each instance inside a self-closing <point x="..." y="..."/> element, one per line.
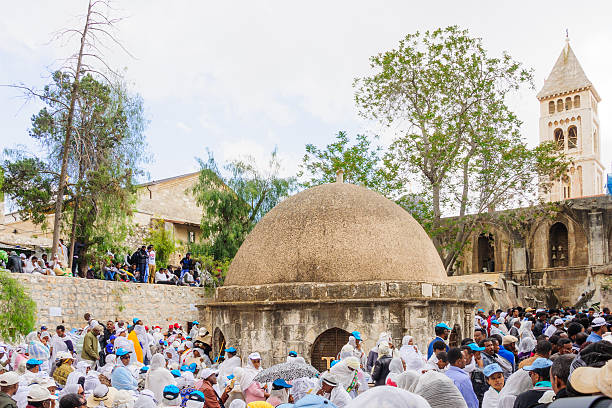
<point x="17" y="309"/>
<point x="163" y="242"/>
<point x="202" y="253"/>
<point x="457" y="141"/>
<point x="234" y="203"/>
<point x="361" y="163"/>
<point x="107" y="150"/>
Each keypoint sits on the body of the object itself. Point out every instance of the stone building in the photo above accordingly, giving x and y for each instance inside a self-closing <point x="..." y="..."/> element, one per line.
<point x="327" y="261"/>
<point x="569" y="250"/>
<point x="168" y="200"/>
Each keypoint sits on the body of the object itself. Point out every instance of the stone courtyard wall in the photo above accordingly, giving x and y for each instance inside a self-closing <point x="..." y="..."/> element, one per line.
<point x="73" y="297"/>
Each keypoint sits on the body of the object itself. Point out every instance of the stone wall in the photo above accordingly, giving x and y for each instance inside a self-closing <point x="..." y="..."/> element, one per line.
<point x="153" y="304"/>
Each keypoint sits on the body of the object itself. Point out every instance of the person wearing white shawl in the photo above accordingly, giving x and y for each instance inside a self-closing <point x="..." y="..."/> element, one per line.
<point x="144" y="401"/>
<point x="526" y="347"/>
<point x="158" y="376"/>
<point x="252" y="390"/>
<point x="345" y="372"/>
<point x="92" y="380"/>
<point x="439" y="391"/>
<point x="71" y="389"/>
<point x="143" y="339"/>
<point x="237" y="404"/>
<point x="171" y="355"/>
<point x="110" y="362"/>
<point x="82" y="368"/>
<point x="411" y="355"/>
<point x="525" y="330"/>
<point x="408" y="380"/>
<point x="389" y="397"/>
<point x="303" y="385"/>
<point x="236" y="393"/>
<point x="226" y="367"/>
<point x="396" y="367"/>
<point x="516" y="384"/>
<point x="38" y="350"/>
<point x="121" y="341"/>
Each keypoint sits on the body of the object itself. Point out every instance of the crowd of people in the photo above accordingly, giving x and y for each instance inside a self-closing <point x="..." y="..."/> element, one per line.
<point x="519" y="358"/>
<point x="140" y="267"/>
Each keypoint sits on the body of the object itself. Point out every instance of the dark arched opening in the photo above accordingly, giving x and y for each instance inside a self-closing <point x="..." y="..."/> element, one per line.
<point x="219" y="344"/>
<point x="454" y="339"/>
<point x="572" y="137"/>
<point x="486" y="253"/>
<point x="558" y="245"/>
<point x="559" y="139"/>
<point x="327" y="346"/>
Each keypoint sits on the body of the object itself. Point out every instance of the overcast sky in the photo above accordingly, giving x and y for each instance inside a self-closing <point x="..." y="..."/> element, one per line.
<point x="243" y="77"/>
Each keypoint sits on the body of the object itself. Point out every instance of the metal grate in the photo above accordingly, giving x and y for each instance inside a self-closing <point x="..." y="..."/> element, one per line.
<point x="327" y="346"/>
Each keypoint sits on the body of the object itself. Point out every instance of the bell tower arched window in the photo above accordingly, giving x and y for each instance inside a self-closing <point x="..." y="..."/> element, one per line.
<point x="559" y="139"/>
<point x="568" y="103"/>
<point x="577" y="101"/>
<point x="551" y="107"/>
<point x="572" y="137"/>
<point x="560" y="105"/>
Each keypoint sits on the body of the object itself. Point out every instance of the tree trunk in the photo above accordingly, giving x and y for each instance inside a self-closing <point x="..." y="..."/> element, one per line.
<point x="59" y="203"/>
<point x="73" y="232"/>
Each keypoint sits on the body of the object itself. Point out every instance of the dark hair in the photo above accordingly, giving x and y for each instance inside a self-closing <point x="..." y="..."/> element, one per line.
<point x="442" y="356"/>
<point x="30" y="366"/>
<point x="563" y="341"/>
<point x="454" y="355"/>
<point x="544" y="373"/>
<point x="597" y="354"/>
<point x="543" y="347"/>
<point x="36" y="403"/>
<point x="554" y="339"/>
<point x="439" y="345"/>
<point x="483" y="341"/>
<point x="496" y="337"/>
<point x="561" y="367"/>
<point x="71" y="401"/>
<point x="580" y="338"/>
<point x="439" y="330"/>
<point x="60" y="327"/>
<point x="466" y="341"/>
<point x="480" y="330"/>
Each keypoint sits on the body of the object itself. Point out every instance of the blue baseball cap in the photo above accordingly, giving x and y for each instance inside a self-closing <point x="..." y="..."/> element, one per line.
<point x="144" y="369"/>
<point x="494" y="321"/>
<point x="33" y="362"/>
<point x="474" y="347"/>
<point x="481" y="310"/>
<point x="356" y="335"/>
<point x="175" y="373"/>
<point x="313" y="401"/>
<point x="171" y="392"/>
<point x="230" y="377"/>
<point x="444" y="325"/>
<point x="230" y="350"/>
<point x="282" y="383"/>
<point x="195" y="322"/>
<point x="197" y="396"/>
<point x="192" y="367"/>
<point x="112" y="337"/>
<point x="538" y="363"/>
<point x="185" y="368"/>
<point x="121" y="352"/>
<point x="135" y="320"/>
<point x="293" y="354"/>
<point x="492" y="369"/>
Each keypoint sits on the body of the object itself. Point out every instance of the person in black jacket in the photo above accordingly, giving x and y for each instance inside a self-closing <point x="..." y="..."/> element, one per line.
<point x="140" y="258"/>
<point x="381" y="367"/>
<point x="14" y="263"/>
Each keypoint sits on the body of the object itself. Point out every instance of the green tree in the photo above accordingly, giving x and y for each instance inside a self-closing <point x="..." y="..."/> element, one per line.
<point x="361" y="162"/>
<point x="108" y="149"/>
<point x="163" y="241"/>
<point x="17" y="309"/>
<point x="234" y="200"/>
<point x="458" y="142"/>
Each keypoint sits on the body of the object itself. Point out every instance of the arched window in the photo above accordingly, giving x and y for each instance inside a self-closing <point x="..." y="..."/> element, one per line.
<point x="559" y="139"/>
<point x="551" y="107"/>
<point x="560" y="105"/>
<point x="572" y="137"/>
<point x="558" y="245"/>
<point x="577" y="101"/>
<point x="486" y="253"/>
<point x="568" y="103"/>
<point x="327" y="346"/>
<point x="219" y="344"/>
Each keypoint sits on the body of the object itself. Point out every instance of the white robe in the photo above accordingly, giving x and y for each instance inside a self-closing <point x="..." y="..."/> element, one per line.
<point x="226" y="368"/>
<point x="491" y="398"/>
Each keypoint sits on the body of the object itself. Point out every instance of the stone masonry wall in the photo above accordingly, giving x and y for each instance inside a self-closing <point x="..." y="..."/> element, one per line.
<point x="153" y="304"/>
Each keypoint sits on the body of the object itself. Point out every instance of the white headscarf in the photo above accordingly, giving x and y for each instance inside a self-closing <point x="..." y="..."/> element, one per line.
<point x="237" y="404"/>
<point x="439" y="391"/>
<point x="80" y="371"/>
<point x="343" y="373"/>
<point x="158" y="377"/>
<point x="395" y="369"/>
<point x="249" y="372"/>
<point x="525" y="330"/>
<point x="516" y="384"/>
<point x="346" y="352"/>
<point x="109" y="363"/>
<point x="407" y="380"/>
<point x="411" y="355"/>
<point x="383" y="349"/>
<point x="173" y="352"/>
<point x="388" y="397"/>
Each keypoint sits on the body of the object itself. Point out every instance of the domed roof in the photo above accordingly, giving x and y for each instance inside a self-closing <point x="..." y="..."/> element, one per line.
<point x="336" y="232"/>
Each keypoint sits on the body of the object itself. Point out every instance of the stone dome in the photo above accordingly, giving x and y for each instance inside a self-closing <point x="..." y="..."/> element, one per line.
<point x="336" y="232"/>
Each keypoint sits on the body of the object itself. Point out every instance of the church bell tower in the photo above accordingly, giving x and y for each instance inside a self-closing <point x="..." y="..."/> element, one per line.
<point x="568" y="117"/>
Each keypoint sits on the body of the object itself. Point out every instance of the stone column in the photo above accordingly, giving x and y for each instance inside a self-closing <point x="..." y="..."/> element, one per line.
<point x="596" y="239"/>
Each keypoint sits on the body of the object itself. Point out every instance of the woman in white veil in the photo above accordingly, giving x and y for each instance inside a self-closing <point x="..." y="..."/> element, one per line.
<point x="411" y="355"/>
<point x="158" y="376"/>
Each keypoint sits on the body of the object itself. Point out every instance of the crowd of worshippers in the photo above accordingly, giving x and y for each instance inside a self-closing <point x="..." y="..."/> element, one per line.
<point x="140" y="267"/>
<point x="519" y="358"/>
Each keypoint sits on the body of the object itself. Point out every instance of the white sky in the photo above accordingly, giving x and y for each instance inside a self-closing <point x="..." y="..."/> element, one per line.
<point x="241" y="77"/>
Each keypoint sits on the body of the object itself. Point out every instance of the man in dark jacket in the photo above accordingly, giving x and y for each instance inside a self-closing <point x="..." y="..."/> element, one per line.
<point x="539" y="372"/>
<point x="381" y="367"/>
<point x="14" y="263"/>
<point x="559" y="375"/>
<point x="140" y="258"/>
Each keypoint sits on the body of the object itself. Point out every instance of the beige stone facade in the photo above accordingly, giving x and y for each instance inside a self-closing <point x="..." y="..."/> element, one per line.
<point x="569" y="118"/>
<point x="73" y="297"/>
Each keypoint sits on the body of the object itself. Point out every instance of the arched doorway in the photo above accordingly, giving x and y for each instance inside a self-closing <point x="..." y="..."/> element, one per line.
<point x="327" y="346"/>
<point x="454" y="339"/>
<point x="558" y="242"/>
<point x="219" y="344"/>
<point x="486" y="253"/>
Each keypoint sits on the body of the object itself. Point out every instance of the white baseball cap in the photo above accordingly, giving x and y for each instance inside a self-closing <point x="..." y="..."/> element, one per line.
<point x="9" y="378"/>
<point x="598" y="322"/>
<point x="37" y="393"/>
<point x="559" y="322"/>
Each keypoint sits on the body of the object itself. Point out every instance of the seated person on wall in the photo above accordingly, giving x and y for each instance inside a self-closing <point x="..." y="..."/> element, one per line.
<point x="111" y="272"/>
<point x="59" y="269"/>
